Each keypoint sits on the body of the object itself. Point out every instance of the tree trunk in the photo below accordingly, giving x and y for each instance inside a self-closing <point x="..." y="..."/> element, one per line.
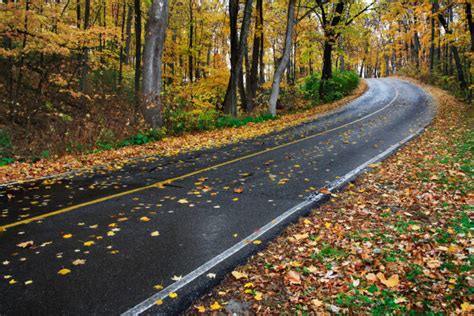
<point x="85" y="52"/>
<point x="237" y="53"/>
<point x="122" y="35"/>
<point x="152" y="60"/>
<point x="252" y="84"/>
<point x="283" y="63"/>
<point x="470" y="23"/>
<point x="138" y="47"/>
<point x="454" y="50"/>
<point x="128" y="38"/>
<point x="434" y="8"/>
<point x="190" y="44"/>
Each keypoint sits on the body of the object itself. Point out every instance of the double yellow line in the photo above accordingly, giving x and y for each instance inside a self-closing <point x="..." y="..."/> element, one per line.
<point x="161" y="184"/>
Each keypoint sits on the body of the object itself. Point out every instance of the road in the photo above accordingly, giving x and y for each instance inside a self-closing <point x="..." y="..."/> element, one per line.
<point x="116" y="235"/>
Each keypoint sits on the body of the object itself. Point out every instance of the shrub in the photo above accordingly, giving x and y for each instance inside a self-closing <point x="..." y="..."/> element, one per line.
<point x="340" y="85"/>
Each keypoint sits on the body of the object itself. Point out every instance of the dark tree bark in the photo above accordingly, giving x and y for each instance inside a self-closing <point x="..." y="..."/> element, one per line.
<point x="252" y="83"/>
<point x="152" y="60"/>
<point x="85" y="52"/>
<point x="454" y="50"/>
<point x="138" y="47"/>
<point x="283" y="62"/>
<point x="122" y="35"/>
<point x="78" y="14"/>
<point x="237" y="52"/>
<point x="128" y="39"/>
<point x="190" y="45"/>
<point x="470" y="23"/>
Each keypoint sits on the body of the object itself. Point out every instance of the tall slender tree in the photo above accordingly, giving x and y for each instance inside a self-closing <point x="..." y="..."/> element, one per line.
<point x="155" y="32"/>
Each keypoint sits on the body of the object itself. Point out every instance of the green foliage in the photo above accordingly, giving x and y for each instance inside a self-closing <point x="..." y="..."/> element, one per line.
<point x="340" y="85"/>
<point x="6" y="148"/>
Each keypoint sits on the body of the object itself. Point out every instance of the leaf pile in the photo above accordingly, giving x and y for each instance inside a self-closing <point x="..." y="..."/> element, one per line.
<point x="169" y="146"/>
<point x="399" y="239"/>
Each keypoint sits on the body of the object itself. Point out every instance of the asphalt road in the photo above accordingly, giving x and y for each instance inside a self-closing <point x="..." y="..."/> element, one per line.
<point x="119" y="234"/>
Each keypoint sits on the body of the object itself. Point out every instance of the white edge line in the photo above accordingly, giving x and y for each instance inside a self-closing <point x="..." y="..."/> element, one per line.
<point x="310" y="201"/>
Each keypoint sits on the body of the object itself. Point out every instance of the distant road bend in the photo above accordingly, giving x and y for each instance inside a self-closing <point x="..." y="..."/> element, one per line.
<point x="100" y="243"/>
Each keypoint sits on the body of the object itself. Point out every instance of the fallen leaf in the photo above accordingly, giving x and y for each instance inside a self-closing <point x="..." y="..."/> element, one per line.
<point x="67" y="236"/>
<point x="391" y="282"/>
<point x="158" y="302"/>
<point x="176" y="278"/>
<point x="173" y="295"/>
<point x="28" y="282"/>
<point x="467" y="307"/>
<point x="26" y="244"/>
<point x="155" y="233"/>
<point x="144" y="219"/>
<point x="64" y="271"/>
<point x="79" y="262"/>
<point x="316" y="303"/>
<point x="158" y="287"/>
<point x="200" y="308"/>
<point x="257" y="242"/>
<point x="258" y="296"/>
<point x="89" y="243"/>
<point x="216" y="306"/>
<point x="293" y="277"/>
<point x="239" y="275"/>
<point x="211" y="275"/>
<point x="239" y="190"/>
<point x="183" y="201"/>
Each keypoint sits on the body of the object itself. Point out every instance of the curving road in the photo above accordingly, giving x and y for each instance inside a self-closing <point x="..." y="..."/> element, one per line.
<point x="113" y="255"/>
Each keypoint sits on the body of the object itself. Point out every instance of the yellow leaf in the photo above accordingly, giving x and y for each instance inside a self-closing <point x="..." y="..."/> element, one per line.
<point x="391" y="282"/>
<point x="158" y="302"/>
<point x="239" y="275"/>
<point x="144" y="219"/>
<point x="67" y="236"/>
<point x="28" y="282"/>
<point x="467" y="307"/>
<point x="328" y="225"/>
<point x="415" y="227"/>
<point x="258" y="296"/>
<point x="200" y="309"/>
<point x="257" y="242"/>
<point x="158" y="287"/>
<point x="183" y="201"/>
<point x="12" y="281"/>
<point x="307" y="221"/>
<point x="110" y="233"/>
<point x="155" y="233"/>
<point x="249" y="284"/>
<point x="216" y="306"/>
<point x="453" y="249"/>
<point x="89" y="243"/>
<point x="173" y="295"/>
<point x="64" y="271"/>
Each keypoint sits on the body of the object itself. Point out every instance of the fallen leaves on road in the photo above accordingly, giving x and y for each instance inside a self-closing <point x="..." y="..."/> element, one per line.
<point x="398" y="240"/>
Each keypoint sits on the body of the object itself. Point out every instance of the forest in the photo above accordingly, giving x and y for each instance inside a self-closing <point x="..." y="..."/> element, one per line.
<point x="89" y="75"/>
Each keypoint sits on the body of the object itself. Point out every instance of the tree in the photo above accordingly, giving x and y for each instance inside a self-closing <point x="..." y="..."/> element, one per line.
<point x="333" y="20"/>
<point x="237" y="52"/>
<point x="283" y="62"/>
<point x="152" y="61"/>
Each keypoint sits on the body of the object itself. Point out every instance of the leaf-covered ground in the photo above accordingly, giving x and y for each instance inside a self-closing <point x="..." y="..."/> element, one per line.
<point x="399" y="239"/>
<point x="169" y="146"/>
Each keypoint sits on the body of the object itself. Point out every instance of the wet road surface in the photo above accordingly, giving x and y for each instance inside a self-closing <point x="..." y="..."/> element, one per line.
<point x="115" y="235"/>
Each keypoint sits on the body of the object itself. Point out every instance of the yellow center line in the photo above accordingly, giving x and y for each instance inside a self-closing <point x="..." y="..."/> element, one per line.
<point x="161" y="184"/>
